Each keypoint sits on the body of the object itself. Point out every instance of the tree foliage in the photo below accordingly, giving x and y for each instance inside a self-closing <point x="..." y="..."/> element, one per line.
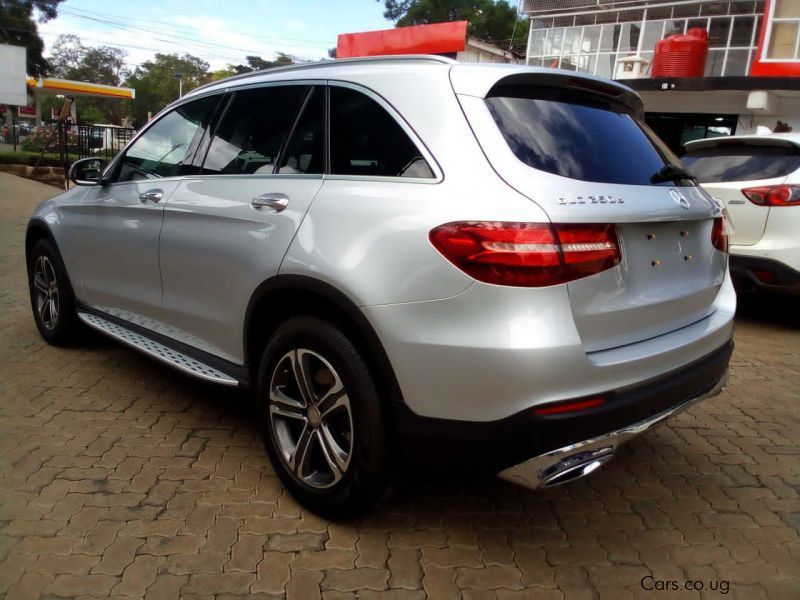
<point x="18" y="27"/>
<point x="70" y="59"/>
<point x="493" y="21"/>
<point x="157" y="82"/>
<point x="256" y="63"/>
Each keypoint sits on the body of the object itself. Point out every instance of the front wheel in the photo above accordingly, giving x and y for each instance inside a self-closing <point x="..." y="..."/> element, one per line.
<point x="51" y="295"/>
<point x="322" y="419"/>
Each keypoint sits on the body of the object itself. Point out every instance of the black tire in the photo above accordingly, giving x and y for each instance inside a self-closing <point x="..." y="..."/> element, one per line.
<point x="367" y="479"/>
<point x="62" y="329"/>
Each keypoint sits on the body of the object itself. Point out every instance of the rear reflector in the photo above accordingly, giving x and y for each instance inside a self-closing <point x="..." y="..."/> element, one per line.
<point x="764" y="276"/>
<point x="560" y="408"/>
<point x="527" y="254"/>
<point x="774" y="195"/>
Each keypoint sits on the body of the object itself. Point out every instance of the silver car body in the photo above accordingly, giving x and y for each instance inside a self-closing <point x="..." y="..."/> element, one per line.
<point x="188" y="266"/>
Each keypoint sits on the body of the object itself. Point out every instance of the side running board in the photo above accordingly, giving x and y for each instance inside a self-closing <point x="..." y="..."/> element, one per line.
<point x="165" y="354"/>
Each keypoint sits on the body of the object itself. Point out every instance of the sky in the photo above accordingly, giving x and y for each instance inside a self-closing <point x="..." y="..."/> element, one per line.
<point x="218" y="31"/>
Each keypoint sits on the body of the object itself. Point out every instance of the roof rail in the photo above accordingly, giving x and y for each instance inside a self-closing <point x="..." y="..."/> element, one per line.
<point x="330" y="63"/>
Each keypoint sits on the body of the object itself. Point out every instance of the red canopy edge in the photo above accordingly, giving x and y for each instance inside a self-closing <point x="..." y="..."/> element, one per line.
<point x="436" y="38"/>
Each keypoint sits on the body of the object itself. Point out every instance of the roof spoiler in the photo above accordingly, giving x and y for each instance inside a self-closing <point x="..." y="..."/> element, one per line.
<point x="739" y="141"/>
<point x="480" y="81"/>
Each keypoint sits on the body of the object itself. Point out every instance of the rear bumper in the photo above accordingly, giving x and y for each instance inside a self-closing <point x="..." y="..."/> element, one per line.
<point x="751" y="273"/>
<point x="576" y="460"/>
<point x="498" y="444"/>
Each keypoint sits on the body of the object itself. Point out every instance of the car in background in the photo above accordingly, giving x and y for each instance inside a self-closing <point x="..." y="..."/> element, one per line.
<point x="757" y="177"/>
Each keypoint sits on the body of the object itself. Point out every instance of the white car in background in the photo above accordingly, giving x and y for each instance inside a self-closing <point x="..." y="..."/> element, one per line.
<point x="757" y="177"/>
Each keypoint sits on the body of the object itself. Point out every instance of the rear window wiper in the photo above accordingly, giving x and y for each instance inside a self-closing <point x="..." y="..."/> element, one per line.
<point x="670" y="172"/>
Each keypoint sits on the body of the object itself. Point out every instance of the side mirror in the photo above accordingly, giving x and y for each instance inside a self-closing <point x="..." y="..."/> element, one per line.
<point x="87" y="171"/>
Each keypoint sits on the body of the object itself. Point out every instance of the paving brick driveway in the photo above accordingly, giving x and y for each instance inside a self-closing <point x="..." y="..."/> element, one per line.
<point x="120" y="477"/>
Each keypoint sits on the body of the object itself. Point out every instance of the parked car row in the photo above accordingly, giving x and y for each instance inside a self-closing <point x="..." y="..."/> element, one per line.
<point x="408" y="260"/>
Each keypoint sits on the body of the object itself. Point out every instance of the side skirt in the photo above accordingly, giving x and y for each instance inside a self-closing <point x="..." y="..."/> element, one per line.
<point x="178" y="356"/>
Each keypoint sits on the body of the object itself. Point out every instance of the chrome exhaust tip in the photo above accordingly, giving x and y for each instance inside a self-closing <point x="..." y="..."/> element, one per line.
<point x="572" y="468"/>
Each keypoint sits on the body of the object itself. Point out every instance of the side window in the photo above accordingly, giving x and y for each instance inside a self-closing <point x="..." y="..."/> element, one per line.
<point x="253" y="130"/>
<point x="305" y="152"/>
<point x="366" y="140"/>
<point x="166" y="149"/>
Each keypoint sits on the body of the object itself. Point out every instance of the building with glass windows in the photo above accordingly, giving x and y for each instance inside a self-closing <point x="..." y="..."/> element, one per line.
<point x="752" y="71"/>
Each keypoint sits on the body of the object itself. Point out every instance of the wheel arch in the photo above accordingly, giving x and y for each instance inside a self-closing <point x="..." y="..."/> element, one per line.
<point x="37" y="230"/>
<point x="284" y="296"/>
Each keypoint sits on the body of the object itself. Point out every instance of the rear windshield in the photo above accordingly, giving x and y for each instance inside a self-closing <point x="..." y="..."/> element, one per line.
<point x="578" y="136"/>
<point x="742" y="162"/>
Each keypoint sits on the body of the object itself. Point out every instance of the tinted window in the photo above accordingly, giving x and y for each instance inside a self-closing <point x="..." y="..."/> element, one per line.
<point x="741" y="162"/>
<point x="366" y="140"/>
<point x="575" y="136"/>
<point x="253" y="130"/>
<point x="305" y="152"/>
<point x="166" y="149"/>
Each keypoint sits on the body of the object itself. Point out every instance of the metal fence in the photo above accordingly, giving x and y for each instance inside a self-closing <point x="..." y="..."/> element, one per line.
<point x="72" y="142"/>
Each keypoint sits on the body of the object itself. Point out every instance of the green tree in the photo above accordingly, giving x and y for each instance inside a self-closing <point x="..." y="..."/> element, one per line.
<point x="493" y="21"/>
<point x="256" y="63"/>
<point x="18" y="27"/>
<point x="157" y="82"/>
<point x="70" y="59"/>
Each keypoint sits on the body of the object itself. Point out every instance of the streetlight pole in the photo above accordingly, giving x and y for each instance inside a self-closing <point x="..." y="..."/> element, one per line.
<point x="179" y="77"/>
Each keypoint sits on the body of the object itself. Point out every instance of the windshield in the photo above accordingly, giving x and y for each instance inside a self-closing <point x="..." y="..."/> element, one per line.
<point x="579" y="136"/>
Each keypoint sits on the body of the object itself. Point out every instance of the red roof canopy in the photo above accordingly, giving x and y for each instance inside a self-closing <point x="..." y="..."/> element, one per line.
<point x="437" y="38"/>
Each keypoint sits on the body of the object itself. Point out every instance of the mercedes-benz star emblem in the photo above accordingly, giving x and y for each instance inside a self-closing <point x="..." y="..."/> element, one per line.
<point x="679" y="199"/>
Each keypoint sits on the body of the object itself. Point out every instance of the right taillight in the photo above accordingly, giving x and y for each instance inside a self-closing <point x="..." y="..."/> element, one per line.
<point x="773" y="195"/>
<point x="527" y="254"/>
<point x="719" y="237"/>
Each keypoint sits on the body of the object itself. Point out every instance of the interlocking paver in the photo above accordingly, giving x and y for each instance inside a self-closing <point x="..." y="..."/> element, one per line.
<point x="121" y="478"/>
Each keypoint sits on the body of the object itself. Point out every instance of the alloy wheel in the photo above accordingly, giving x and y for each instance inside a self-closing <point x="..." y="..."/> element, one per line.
<point x="311" y="418"/>
<point x="46" y="292"/>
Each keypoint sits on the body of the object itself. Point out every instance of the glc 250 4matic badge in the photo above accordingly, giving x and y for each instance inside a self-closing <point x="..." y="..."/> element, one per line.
<point x="679" y="199"/>
<point x="592" y="200"/>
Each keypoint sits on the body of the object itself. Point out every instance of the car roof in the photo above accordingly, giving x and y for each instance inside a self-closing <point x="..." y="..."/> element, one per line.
<point x="770" y="139"/>
<point x="473" y="79"/>
<point x="325" y="68"/>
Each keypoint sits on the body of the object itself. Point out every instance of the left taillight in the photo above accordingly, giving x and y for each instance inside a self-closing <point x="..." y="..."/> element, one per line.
<point x="719" y="236"/>
<point x="773" y="195"/>
<point x="527" y="254"/>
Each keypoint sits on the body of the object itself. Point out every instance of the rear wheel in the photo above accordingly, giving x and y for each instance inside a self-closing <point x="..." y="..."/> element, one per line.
<point x="51" y="295"/>
<point x="323" y="421"/>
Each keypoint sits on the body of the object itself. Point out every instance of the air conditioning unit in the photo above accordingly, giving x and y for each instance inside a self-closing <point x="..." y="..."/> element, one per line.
<point x="632" y="67"/>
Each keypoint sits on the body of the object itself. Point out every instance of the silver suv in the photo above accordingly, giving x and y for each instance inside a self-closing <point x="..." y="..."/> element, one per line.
<point x="404" y="258"/>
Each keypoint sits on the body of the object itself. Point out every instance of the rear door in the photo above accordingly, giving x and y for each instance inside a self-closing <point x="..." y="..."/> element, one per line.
<point x="227" y="230"/>
<point x="726" y="166"/>
<point x="580" y="150"/>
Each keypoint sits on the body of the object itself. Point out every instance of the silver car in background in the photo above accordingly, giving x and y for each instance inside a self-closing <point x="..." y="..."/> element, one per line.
<point x="407" y="259"/>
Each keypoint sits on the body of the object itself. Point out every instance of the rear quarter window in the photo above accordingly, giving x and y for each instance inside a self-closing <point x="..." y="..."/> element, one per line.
<point x="742" y="162"/>
<point x="577" y="136"/>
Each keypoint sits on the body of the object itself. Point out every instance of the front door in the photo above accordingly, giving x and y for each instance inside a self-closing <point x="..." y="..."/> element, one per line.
<point x="121" y="222"/>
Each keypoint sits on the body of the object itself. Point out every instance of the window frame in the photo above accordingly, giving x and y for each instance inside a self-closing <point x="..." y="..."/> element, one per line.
<point x="231" y="95"/>
<point x="438" y="177"/>
<point x="112" y="170"/>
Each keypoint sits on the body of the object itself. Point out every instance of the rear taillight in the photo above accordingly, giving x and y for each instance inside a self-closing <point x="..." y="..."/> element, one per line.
<point x="527" y="254"/>
<point x="719" y="237"/>
<point x="774" y="195"/>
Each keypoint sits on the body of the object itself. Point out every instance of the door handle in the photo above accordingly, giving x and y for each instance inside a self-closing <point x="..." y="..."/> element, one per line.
<point x="151" y="196"/>
<point x="277" y="202"/>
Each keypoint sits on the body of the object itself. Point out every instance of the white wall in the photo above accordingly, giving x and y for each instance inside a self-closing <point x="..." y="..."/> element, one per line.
<point x="727" y="102"/>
